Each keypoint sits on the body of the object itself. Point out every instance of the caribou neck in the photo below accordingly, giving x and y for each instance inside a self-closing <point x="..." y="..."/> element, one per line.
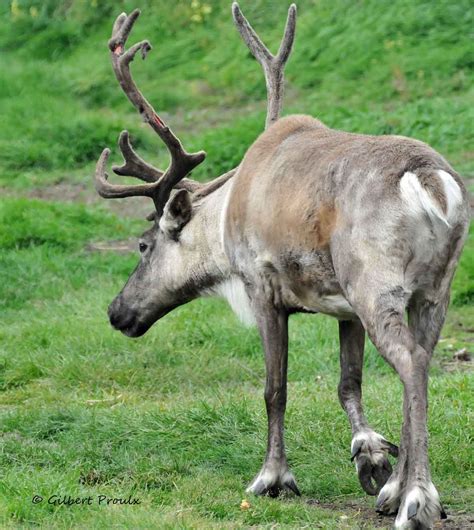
<point x="206" y="229"/>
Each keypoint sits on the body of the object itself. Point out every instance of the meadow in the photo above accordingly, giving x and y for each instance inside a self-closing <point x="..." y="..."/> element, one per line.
<point x="176" y="419"/>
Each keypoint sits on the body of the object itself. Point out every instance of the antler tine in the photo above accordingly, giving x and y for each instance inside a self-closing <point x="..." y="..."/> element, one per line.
<point x="273" y="70"/>
<point x="122" y="27"/>
<point x="203" y="190"/>
<point x="288" y="37"/>
<point x="118" y="23"/>
<point x="117" y="191"/>
<point x="134" y="165"/>
<point x="256" y="46"/>
<point x="273" y="66"/>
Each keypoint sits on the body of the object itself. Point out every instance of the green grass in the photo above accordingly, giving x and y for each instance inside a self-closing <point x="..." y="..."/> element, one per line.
<point x="376" y="66"/>
<point x="176" y="418"/>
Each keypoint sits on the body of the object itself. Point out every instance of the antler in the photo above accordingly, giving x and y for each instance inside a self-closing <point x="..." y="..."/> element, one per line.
<point x="273" y="66"/>
<point x="134" y="165"/>
<point x="158" y="183"/>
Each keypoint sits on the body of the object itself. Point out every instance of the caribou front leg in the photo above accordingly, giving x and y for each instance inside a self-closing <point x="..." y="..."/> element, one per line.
<point x="275" y="475"/>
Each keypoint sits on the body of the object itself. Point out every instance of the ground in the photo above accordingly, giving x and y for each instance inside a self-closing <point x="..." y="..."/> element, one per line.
<point x="176" y="419"/>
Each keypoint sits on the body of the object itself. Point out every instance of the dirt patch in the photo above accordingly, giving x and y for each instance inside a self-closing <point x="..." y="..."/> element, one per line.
<point x="355" y="512"/>
<point x="364" y="516"/>
<point x="62" y="191"/>
<point x="455" y="365"/>
<point x="123" y="246"/>
<point x="134" y="207"/>
<point x="452" y="359"/>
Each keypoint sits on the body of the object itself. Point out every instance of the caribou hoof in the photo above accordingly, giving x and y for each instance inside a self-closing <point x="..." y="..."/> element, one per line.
<point x="388" y="500"/>
<point x="273" y="478"/>
<point x="420" y="508"/>
<point x="370" y="451"/>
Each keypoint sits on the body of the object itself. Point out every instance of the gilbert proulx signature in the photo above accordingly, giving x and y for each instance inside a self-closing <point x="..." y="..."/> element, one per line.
<point x="99" y="500"/>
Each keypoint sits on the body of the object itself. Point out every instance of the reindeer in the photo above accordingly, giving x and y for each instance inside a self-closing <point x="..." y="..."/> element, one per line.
<point x="362" y="228"/>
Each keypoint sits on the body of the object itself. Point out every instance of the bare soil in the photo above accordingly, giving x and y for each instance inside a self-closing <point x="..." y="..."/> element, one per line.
<point x="122" y="246"/>
<point x="134" y="207"/>
<point x="365" y="516"/>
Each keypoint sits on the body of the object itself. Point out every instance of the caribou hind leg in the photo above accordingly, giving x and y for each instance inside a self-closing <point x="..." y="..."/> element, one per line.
<point x="369" y="449"/>
<point x="383" y="315"/>
<point x="425" y="320"/>
<point x="426" y="316"/>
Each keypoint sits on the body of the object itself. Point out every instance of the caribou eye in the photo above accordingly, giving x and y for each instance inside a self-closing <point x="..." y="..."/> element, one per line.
<point x="142" y="247"/>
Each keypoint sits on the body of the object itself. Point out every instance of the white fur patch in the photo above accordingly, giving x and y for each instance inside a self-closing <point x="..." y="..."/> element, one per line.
<point x="166" y="224"/>
<point x="415" y="495"/>
<point x="233" y="291"/>
<point x="418" y="200"/>
<point x="452" y="192"/>
<point x="267" y="476"/>
<point x="426" y="499"/>
<point x="335" y="304"/>
<point x="367" y="437"/>
<point x="371" y="439"/>
<point x="224" y="213"/>
<point x="390" y="494"/>
<point x="272" y="475"/>
<point x="372" y="446"/>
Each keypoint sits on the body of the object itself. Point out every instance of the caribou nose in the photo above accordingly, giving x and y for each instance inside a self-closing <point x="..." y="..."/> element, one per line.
<point x="118" y="315"/>
<point x="125" y="319"/>
<point x="114" y="313"/>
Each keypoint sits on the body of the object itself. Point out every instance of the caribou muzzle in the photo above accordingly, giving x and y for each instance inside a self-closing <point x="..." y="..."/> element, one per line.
<point x="126" y="320"/>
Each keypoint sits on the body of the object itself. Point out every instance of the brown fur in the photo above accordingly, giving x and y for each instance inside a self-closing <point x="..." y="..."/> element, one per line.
<point x="301" y="167"/>
<point x="326" y="219"/>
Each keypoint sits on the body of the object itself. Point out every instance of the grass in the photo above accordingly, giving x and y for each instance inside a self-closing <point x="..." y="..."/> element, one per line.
<point x="176" y="418"/>
<point x="400" y="67"/>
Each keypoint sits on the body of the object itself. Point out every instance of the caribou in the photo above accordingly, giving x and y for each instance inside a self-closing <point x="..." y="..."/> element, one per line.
<point x="363" y="228"/>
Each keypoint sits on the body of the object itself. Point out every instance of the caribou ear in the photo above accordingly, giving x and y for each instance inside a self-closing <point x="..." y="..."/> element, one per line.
<point x="176" y="214"/>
